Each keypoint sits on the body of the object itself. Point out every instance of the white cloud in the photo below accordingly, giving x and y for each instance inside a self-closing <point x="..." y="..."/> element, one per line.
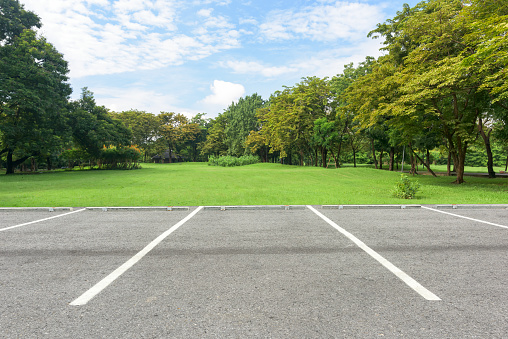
<point x="128" y="35"/>
<point x="325" y="63"/>
<point x="124" y="99"/>
<point x="254" y="67"/>
<point x="325" y="22"/>
<point x="224" y="93"/>
<point x="206" y="13"/>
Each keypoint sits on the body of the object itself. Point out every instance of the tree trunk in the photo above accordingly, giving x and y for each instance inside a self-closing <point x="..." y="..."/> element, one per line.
<point x="301" y="157"/>
<point x="459" y="158"/>
<point x="423" y="163"/>
<point x="334" y="158"/>
<point x="324" y="154"/>
<point x="506" y="165"/>
<point x="460" y="170"/>
<point x="354" y="157"/>
<point x="413" y="162"/>
<point x="448" y="164"/>
<point x="10" y="165"/>
<point x="428" y="158"/>
<point x="337" y="160"/>
<point x="392" y="158"/>
<point x="381" y="160"/>
<point x="486" y="140"/>
<point x="373" y="152"/>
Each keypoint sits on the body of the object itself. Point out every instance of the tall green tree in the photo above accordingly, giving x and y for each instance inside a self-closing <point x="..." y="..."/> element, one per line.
<point x="33" y="88"/>
<point x="175" y="130"/>
<point x="143" y="126"/>
<point x="347" y="126"/>
<point x="201" y="128"/>
<point x="93" y="127"/>
<point x="488" y="44"/>
<point x="241" y="120"/>
<point x="288" y="121"/>
<point x="431" y="80"/>
<point x="216" y="136"/>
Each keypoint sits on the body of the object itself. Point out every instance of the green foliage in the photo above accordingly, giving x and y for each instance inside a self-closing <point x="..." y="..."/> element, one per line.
<point x="33" y="94"/>
<point x="111" y="157"/>
<point x="230" y="161"/>
<point x="14" y="19"/>
<point x="288" y="119"/>
<point x="120" y="158"/>
<point x="215" y="140"/>
<point x="93" y="127"/>
<point x="143" y="126"/>
<point x="241" y="120"/>
<point x="405" y="188"/>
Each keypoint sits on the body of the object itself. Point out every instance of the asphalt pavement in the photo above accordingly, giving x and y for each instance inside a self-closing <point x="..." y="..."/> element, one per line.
<point x="273" y="272"/>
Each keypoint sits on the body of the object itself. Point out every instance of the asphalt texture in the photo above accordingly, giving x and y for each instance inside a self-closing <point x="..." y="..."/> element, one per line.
<point x="260" y="273"/>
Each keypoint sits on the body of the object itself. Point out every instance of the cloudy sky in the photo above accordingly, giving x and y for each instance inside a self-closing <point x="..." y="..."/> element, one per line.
<point x="192" y="56"/>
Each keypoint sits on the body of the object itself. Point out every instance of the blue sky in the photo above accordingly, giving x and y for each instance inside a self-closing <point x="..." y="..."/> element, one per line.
<point x="198" y="56"/>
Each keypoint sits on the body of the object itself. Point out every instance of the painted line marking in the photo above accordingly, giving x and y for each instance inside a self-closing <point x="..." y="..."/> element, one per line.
<point x="101" y="285"/>
<point x="41" y="220"/>
<point x="392" y="268"/>
<point x="461" y="216"/>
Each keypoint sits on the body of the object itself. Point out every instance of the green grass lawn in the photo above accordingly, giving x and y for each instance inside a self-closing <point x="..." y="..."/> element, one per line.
<point x="193" y="184"/>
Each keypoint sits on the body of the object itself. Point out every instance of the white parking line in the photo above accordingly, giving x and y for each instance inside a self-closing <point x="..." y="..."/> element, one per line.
<point x="461" y="216"/>
<point x="41" y="220"/>
<point x="392" y="268"/>
<point x="97" y="288"/>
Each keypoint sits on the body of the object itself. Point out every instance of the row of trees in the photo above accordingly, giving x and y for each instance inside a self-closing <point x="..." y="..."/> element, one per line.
<point x="440" y="88"/>
<point x="442" y="83"/>
<point x="37" y="119"/>
<point x="443" y="80"/>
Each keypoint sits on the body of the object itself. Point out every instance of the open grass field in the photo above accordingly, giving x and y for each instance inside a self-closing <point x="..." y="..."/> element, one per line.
<point x="193" y="184"/>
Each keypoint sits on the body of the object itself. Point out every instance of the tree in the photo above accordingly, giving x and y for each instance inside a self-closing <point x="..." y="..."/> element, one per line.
<point x="14" y="19"/>
<point x="487" y="55"/>
<point x="487" y="32"/>
<point x="175" y="129"/>
<point x="215" y="139"/>
<point x="325" y="136"/>
<point x="93" y="128"/>
<point x="201" y="128"/>
<point x="33" y="88"/>
<point x="143" y="126"/>
<point x="288" y="120"/>
<point x="430" y="77"/>
<point x="241" y="120"/>
<point x="347" y="126"/>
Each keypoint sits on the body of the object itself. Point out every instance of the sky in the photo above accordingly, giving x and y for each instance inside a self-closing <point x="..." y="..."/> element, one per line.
<point x="199" y="56"/>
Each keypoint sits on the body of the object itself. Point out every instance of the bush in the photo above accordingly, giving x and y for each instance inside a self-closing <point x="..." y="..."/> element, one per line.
<point x="229" y="161"/>
<point x="120" y="157"/>
<point x="405" y="189"/>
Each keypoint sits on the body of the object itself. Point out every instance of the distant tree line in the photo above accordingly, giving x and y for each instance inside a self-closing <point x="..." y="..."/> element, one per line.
<point x="438" y="95"/>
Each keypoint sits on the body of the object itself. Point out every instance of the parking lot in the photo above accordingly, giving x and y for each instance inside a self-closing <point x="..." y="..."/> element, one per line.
<point x="260" y="272"/>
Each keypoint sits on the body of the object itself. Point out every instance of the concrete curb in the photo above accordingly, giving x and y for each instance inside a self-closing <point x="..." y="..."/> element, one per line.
<point x="249" y="207"/>
<point x="255" y="208"/>
<point x="341" y="207"/>
<point x="147" y="208"/>
<point x="36" y="209"/>
<point x="470" y="206"/>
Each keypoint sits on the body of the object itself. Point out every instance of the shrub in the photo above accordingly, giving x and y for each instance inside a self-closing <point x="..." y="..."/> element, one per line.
<point x="229" y="161"/>
<point x="120" y="157"/>
<point x="405" y="189"/>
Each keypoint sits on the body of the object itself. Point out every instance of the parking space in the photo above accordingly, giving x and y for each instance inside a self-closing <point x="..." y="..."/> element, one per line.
<point x="255" y="273"/>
